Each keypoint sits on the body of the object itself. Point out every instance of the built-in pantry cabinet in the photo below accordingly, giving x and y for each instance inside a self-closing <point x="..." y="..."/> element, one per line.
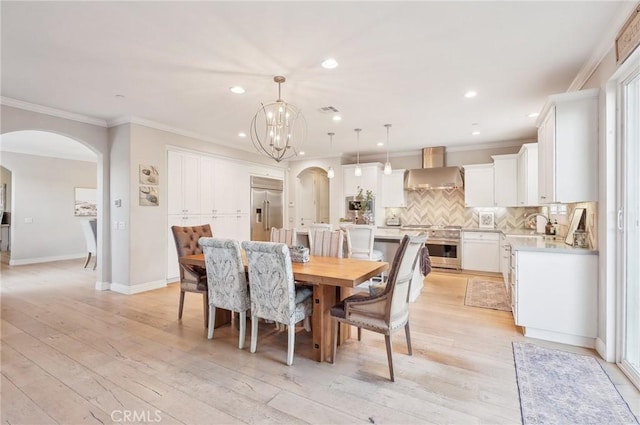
<point x="203" y="189"/>
<point x="567" y="144"/>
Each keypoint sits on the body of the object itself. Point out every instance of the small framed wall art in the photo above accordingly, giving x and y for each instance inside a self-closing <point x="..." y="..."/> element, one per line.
<point x="486" y="220"/>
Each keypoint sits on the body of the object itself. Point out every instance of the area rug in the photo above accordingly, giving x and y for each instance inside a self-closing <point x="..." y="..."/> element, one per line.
<point x="557" y="387"/>
<point x="486" y="294"/>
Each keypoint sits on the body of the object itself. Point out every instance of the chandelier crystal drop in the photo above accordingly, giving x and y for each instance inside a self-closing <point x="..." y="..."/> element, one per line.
<point x="278" y="129"/>
<point x="330" y="173"/>
<point x="387" y="165"/>
<point x="358" y="170"/>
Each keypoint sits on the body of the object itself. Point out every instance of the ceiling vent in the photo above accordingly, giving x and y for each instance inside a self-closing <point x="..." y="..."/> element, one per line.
<point x="329" y="109"/>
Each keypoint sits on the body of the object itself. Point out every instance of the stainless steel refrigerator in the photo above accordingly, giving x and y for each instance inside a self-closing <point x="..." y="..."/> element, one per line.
<point x="266" y="207"/>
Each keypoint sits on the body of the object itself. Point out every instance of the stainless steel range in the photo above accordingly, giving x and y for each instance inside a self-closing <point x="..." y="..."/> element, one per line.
<point x="443" y="244"/>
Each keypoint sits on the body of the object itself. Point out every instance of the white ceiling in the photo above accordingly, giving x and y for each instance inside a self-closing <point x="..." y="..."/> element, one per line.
<point x="404" y="63"/>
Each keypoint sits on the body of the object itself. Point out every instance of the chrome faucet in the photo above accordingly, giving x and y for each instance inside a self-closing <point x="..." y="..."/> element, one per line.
<point x="528" y="221"/>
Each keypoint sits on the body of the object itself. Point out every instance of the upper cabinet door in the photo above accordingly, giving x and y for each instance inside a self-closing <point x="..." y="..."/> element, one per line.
<point x="505" y="178"/>
<point x="568" y="147"/>
<point x="528" y="175"/>
<point x="393" y="193"/>
<point x="479" y="185"/>
<point x="369" y="180"/>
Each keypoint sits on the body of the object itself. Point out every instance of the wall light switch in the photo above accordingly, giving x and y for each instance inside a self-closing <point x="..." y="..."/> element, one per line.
<point x="117" y="203"/>
<point x="28" y="220"/>
<point x="122" y="225"/>
<point x="115" y="225"/>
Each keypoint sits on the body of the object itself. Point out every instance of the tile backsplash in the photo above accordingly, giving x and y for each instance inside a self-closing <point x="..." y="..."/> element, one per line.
<point x="447" y="207"/>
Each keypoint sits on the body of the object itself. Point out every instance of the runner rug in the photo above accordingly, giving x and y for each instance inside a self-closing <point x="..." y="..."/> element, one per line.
<point x="486" y="294"/>
<point x="557" y="387"/>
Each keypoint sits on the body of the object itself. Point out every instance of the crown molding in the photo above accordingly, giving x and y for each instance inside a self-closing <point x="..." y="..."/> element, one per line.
<point x="20" y="104"/>
<point x="163" y="127"/>
<point x="607" y="42"/>
<point x="490" y="145"/>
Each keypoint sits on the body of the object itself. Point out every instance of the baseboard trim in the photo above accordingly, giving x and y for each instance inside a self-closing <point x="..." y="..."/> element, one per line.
<point x="577" y="340"/>
<point x="601" y="348"/>
<point x="136" y="289"/>
<point x="25" y="261"/>
<point x="103" y="286"/>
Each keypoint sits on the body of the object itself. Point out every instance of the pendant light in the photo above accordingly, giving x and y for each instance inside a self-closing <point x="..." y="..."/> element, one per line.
<point x="278" y="129"/>
<point x="358" y="170"/>
<point x="387" y="165"/>
<point x="330" y="173"/>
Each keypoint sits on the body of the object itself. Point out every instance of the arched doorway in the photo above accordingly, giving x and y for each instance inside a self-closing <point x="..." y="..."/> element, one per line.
<point x="49" y="173"/>
<point x="313" y="196"/>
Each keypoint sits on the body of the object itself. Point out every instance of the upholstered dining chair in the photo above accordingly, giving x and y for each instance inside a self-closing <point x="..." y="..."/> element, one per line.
<point x="388" y="311"/>
<point x="89" y="229"/>
<point x="226" y="281"/>
<point x="272" y="290"/>
<point x="316" y="227"/>
<point x="285" y="236"/>
<point x="327" y="243"/>
<point x="192" y="278"/>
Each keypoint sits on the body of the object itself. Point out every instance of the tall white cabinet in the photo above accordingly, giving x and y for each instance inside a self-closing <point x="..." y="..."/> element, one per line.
<point x="204" y="189"/>
<point x="568" y="144"/>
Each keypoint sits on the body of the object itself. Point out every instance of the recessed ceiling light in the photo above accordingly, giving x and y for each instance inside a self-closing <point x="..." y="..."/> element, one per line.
<point x="380" y="143"/>
<point x="301" y="153"/>
<point x="475" y="133"/>
<point x="533" y="114"/>
<point x="337" y="118"/>
<point x="241" y="134"/>
<point x="237" y="89"/>
<point x="470" y="94"/>
<point x="330" y="63"/>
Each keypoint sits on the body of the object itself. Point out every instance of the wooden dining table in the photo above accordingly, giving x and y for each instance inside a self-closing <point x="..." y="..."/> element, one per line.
<point x="333" y="279"/>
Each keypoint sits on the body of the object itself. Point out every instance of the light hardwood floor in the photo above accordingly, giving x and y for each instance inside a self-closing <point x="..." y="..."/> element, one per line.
<point x="74" y="355"/>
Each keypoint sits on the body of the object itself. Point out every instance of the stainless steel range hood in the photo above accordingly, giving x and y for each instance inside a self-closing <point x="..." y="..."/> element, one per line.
<point x="433" y="174"/>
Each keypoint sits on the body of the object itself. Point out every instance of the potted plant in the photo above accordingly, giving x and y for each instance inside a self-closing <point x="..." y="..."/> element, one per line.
<point x="367" y="202"/>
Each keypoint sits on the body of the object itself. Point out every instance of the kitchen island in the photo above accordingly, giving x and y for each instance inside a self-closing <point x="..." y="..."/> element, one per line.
<point x="387" y="240"/>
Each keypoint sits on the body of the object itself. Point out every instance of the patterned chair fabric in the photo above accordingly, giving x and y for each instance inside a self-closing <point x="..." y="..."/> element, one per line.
<point x="192" y="278"/>
<point x="285" y="236"/>
<point x="388" y="311"/>
<point x="226" y="280"/>
<point x="327" y="243"/>
<point x="272" y="290"/>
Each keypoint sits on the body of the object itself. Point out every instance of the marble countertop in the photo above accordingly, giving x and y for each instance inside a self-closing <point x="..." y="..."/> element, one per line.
<point x="537" y="243"/>
<point x="381" y="234"/>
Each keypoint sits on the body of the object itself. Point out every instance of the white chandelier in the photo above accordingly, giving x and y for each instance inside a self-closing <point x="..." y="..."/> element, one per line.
<point x="278" y="129"/>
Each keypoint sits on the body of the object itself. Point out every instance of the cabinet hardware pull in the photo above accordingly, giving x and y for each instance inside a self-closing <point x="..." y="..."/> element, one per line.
<point x="620" y="217"/>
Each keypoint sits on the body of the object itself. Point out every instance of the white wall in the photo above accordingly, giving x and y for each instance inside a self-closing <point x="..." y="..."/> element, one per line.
<point x="44" y="192"/>
<point x="92" y="136"/>
<point x="119" y="138"/>
<point x="5" y="178"/>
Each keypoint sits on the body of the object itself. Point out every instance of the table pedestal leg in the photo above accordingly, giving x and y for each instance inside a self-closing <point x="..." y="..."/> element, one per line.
<point x="324" y="297"/>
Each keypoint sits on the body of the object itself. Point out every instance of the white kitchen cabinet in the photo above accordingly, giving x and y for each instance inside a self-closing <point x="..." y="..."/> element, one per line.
<point x="528" y="175"/>
<point x="481" y="251"/>
<point x="478" y="185"/>
<point x="393" y="193"/>
<point x="568" y="148"/>
<point x="218" y="194"/>
<point x="183" y="188"/>
<point x="505" y="180"/>
<point x="505" y="260"/>
<point x="555" y="296"/>
<point x="369" y="180"/>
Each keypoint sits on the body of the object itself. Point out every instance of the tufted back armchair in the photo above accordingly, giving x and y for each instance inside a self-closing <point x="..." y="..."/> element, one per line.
<point x="192" y="278"/>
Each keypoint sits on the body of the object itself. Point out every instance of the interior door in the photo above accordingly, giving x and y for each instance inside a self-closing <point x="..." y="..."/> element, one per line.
<point x="629" y="227"/>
